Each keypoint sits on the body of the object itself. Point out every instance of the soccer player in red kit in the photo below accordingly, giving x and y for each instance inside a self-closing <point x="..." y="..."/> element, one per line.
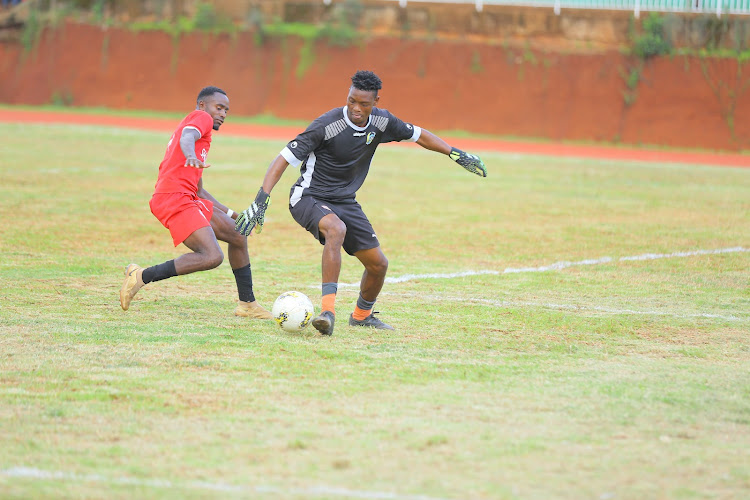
<point x="191" y="214"/>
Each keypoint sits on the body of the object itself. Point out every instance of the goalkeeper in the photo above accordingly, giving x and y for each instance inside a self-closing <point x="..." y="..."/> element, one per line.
<point x="334" y="155"/>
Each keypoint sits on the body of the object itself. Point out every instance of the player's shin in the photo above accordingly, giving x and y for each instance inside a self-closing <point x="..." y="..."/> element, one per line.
<point x="328" y="297"/>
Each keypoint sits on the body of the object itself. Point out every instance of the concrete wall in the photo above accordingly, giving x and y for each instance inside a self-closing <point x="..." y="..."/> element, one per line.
<point x="572" y="30"/>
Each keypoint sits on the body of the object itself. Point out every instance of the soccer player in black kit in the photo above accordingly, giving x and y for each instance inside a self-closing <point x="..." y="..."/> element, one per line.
<point x="334" y="155"/>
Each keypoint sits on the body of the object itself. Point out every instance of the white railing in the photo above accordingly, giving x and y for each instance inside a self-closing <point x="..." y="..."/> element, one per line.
<point x="718" y="7"/>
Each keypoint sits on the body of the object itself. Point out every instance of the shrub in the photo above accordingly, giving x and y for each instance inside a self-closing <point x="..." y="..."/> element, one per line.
<point x="652" y="42"/>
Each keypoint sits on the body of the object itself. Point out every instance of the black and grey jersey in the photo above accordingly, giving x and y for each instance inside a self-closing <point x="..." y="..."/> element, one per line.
<point x="334" y="154"/>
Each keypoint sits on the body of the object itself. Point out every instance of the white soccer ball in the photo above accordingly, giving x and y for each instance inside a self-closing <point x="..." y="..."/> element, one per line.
<point x="292" y="311"/>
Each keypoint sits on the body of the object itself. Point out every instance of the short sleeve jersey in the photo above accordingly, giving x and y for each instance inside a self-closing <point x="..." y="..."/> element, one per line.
<point x="174" y="177"/>
<point x="334" y="154"/>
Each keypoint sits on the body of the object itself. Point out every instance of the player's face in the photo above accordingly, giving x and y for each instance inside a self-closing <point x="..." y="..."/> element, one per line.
<point x="359" y="105"/>
<point x="217" y="106"/>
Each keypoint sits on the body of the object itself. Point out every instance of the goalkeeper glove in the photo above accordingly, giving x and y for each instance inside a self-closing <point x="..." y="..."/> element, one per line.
<point x="470" y="162"/>
<point x="254" y="215"/>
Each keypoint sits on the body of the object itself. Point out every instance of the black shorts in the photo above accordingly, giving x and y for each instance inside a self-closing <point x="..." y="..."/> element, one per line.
<point x="359" y="232"/>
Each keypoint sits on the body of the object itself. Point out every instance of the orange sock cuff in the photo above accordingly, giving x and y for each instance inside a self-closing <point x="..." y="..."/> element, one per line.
<point x="360" y="314"/>
<point x="328" y="303"/>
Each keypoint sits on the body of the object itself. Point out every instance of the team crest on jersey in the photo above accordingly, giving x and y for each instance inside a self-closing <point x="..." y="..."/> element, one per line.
<point x="370" y="137"/>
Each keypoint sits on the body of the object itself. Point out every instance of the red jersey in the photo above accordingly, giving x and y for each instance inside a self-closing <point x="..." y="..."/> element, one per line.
<point x="174" y="176"/>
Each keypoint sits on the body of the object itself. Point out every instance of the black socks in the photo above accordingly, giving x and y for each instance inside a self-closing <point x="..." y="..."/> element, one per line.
<point x="159" y="272"/>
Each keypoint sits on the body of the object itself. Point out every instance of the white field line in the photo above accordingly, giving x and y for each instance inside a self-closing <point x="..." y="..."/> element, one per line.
<point x="314" y="491"/>
<point x="568" y="307"/>
<point x="557" y="266"/>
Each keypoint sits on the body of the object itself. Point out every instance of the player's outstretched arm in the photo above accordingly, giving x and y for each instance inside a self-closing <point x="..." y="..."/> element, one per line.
<point x="470" y="162"/>
<point x="254" y="216"/>
<point x="187" y="145"/>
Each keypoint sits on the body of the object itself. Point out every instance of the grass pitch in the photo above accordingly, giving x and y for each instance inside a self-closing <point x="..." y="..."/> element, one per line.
<point x="595" y="378"/>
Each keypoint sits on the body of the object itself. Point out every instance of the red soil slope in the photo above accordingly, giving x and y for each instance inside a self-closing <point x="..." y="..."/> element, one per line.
<point x="680" y="102"/>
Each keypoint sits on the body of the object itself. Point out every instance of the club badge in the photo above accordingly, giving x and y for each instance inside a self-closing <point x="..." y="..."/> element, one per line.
<point x="370" y="137"/>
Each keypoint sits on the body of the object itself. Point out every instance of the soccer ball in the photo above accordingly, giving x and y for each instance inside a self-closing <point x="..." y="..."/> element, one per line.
<point x="292" y="311"/>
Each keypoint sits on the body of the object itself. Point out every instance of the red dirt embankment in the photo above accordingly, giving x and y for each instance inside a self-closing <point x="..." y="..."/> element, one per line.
<point x="681" y="102"/>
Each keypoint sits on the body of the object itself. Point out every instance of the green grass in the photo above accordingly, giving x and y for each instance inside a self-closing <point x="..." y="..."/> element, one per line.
<point x="262" y="119"/>
<point x="622" y="379"/>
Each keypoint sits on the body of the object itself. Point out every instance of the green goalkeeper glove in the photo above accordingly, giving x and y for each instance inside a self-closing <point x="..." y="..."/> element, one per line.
<point x="470" y="162"/>
<point x="254" y="216"/>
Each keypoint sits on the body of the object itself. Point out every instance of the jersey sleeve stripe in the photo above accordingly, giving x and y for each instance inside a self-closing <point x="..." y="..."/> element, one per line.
<point x="380" y="122"/>
<point x="334" y="129"/>
<point x="290" y="158"/>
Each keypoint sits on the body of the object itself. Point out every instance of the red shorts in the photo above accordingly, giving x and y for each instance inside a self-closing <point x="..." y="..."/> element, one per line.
<point x="181" y="213"/>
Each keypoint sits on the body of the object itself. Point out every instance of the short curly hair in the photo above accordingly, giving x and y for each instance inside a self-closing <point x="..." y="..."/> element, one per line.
<point x="207" y="92"/>
<point x="367" y="81"/>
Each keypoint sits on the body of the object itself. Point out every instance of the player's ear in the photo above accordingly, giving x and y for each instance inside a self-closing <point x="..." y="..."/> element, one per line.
<point x="377" y="98"/>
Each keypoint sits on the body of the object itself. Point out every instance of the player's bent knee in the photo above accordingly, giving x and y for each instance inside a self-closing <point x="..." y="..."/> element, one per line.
<point x="381" y="266"/>
<point x="377" y="266"/>
<point x="334" y="231"/>
<point x="238" y="240"/>
<point x="213" y="259"/>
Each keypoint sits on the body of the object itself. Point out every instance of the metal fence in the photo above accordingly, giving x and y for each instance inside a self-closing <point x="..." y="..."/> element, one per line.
<point x="718" y="7"/>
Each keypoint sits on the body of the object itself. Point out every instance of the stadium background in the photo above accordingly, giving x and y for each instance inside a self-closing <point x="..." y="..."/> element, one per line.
<point x="509" y="71"/>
